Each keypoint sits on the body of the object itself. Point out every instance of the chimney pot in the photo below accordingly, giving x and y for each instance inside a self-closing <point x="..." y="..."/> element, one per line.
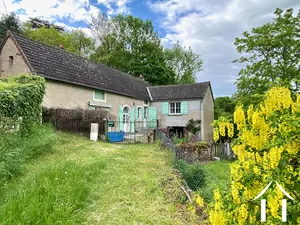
<point x="61" y="46"/>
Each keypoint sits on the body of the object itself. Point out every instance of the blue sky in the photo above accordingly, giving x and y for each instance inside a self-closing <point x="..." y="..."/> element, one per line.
<point x="208" y="26"/>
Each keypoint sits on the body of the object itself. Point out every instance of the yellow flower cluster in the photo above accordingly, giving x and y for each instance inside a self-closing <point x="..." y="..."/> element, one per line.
<point x="199" y="200"/>
<point x="239" y="117"/>
<point x="220" y="130"/>
<point x="230" y="129"/>
<point x="277" y="98"/>
<point x="267" y="148"/>
<point x="217" y="215"/>
<point x="274" y="203"/>
<point x="216" y="134"/>
<point x="242" y="214"/>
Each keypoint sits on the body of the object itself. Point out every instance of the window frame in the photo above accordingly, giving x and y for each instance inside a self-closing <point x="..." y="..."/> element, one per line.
<point x="141" y="116"/>
<point x="10" y="60"/>
<point x="146" y="113"/>
<point x="99" y="100"/>
<point x="175" y="108"/>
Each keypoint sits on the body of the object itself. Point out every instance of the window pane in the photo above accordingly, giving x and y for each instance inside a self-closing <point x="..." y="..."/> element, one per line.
<point x="172" y="107"/>
<point x="178" y="107"/>
<point x="139" y="113"/>
<point x="99" y="95"/>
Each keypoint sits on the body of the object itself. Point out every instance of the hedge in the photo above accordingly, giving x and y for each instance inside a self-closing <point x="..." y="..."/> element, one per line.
<point x="20" y="101"/>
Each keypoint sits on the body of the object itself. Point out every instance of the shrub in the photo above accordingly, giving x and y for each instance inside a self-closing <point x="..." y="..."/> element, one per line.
<point x="15" y="148"/>
<point x="193" y="174"/>
<point x="268" y="150"/>
<point x="20" y="102"/>
<point x="193" y="126"/>
<point x="76" y="120"/>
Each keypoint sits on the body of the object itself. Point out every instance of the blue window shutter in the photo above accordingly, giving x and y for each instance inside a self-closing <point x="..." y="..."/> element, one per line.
<point x="132" y="119"/>
<point x="165" y="108"/>
<point x="136" y="113"/>
<point x="121" y="118"/>
<point x="152" y="117"/>
<point x="184" y="108"/>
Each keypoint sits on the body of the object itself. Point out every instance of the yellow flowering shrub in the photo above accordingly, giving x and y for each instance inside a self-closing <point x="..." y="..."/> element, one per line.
<point x="268" y="149"/>
<point x="223" y="127"/>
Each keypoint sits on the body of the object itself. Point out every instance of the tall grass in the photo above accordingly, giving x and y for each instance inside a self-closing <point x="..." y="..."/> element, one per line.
<point x="15" y="149"/>
<point x="57" y="195"/>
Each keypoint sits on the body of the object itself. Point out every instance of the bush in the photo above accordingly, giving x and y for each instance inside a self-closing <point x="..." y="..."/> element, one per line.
<point x="20" y="102"/>
<point x="76" y="120"/>
<point x="193" y="174"/>
<point x="16" y="149"/>
<point x="268" y="150"/>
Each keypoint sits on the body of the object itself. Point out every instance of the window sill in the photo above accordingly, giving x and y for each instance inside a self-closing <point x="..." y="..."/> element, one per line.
<point x="94" y="100"/>
<point x="174" y="114"/>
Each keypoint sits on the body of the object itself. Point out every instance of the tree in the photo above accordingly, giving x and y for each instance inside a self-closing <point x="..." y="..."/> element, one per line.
<point x="39" y="23"/>
<point x="75" y="41"/>
<point x="9" y="22"/>
<point x="271" y="55"/>
<point x="184" y="62"/>
<point x="224" y="106"/>
<point x="79" y="43"/>
<point x="131" y="45"/>
<point x="268" y="150"/>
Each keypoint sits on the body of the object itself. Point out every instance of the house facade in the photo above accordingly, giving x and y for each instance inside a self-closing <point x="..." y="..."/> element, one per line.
<point x="72" y="82"/>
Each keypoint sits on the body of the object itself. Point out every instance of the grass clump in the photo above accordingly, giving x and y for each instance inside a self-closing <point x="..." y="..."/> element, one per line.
<point x="56" y="195"/>
<point x="15" y="149"/>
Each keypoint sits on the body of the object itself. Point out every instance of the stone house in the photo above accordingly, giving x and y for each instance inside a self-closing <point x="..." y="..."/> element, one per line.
<point x="72" y="81"/>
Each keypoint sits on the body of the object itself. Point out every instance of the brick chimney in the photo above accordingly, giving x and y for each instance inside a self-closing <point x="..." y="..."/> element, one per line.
<point x="61" y="46"/>
<point x="141" y="77"/>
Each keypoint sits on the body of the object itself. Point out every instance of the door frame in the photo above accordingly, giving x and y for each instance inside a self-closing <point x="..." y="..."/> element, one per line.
<point x="126" y="124"/>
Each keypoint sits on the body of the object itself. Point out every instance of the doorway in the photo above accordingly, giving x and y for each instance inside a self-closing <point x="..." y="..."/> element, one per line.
<point x="126" y="118"/>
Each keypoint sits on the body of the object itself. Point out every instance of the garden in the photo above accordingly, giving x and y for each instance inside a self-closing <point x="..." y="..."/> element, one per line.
<point x="50" y="177"/>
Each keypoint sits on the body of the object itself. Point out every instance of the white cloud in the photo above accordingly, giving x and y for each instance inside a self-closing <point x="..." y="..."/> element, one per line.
<point x="210" y="28"/>
<point x="116" y="6"/>
<point x="74" y="10"/>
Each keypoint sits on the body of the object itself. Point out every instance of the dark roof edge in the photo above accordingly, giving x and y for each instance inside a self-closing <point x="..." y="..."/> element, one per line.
<point x="212" y="94"/>
<point x="176" y="99"/>
<point x="172" y="85"/>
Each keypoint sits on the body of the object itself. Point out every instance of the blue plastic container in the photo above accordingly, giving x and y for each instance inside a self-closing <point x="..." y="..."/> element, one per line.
<point x="115" y="136"/>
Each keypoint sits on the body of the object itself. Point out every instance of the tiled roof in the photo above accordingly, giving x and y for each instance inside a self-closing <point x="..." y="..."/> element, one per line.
<point x="176" y="92"/>
<point x="57" y="64"/>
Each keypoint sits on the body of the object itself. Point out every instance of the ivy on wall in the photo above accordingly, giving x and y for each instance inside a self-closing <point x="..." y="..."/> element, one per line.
<point x="20" y="101"/>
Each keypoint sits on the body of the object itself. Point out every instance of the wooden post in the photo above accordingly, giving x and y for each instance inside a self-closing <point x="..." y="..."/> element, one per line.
<point x="105" y="128"/>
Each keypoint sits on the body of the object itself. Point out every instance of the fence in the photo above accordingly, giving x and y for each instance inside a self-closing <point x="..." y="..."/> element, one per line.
<point x="190" y="164"/>
<point x="75" y="120"/>
<point x="132" y="132"/>
<point x="75" y="125"/>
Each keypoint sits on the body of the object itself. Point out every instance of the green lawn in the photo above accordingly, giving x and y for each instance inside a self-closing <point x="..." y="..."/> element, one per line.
<point x="217" y="176"/>
<point x="85" y="182"/>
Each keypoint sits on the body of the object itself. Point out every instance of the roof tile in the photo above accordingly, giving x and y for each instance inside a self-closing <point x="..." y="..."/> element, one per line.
<point x="57" y="64"/>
